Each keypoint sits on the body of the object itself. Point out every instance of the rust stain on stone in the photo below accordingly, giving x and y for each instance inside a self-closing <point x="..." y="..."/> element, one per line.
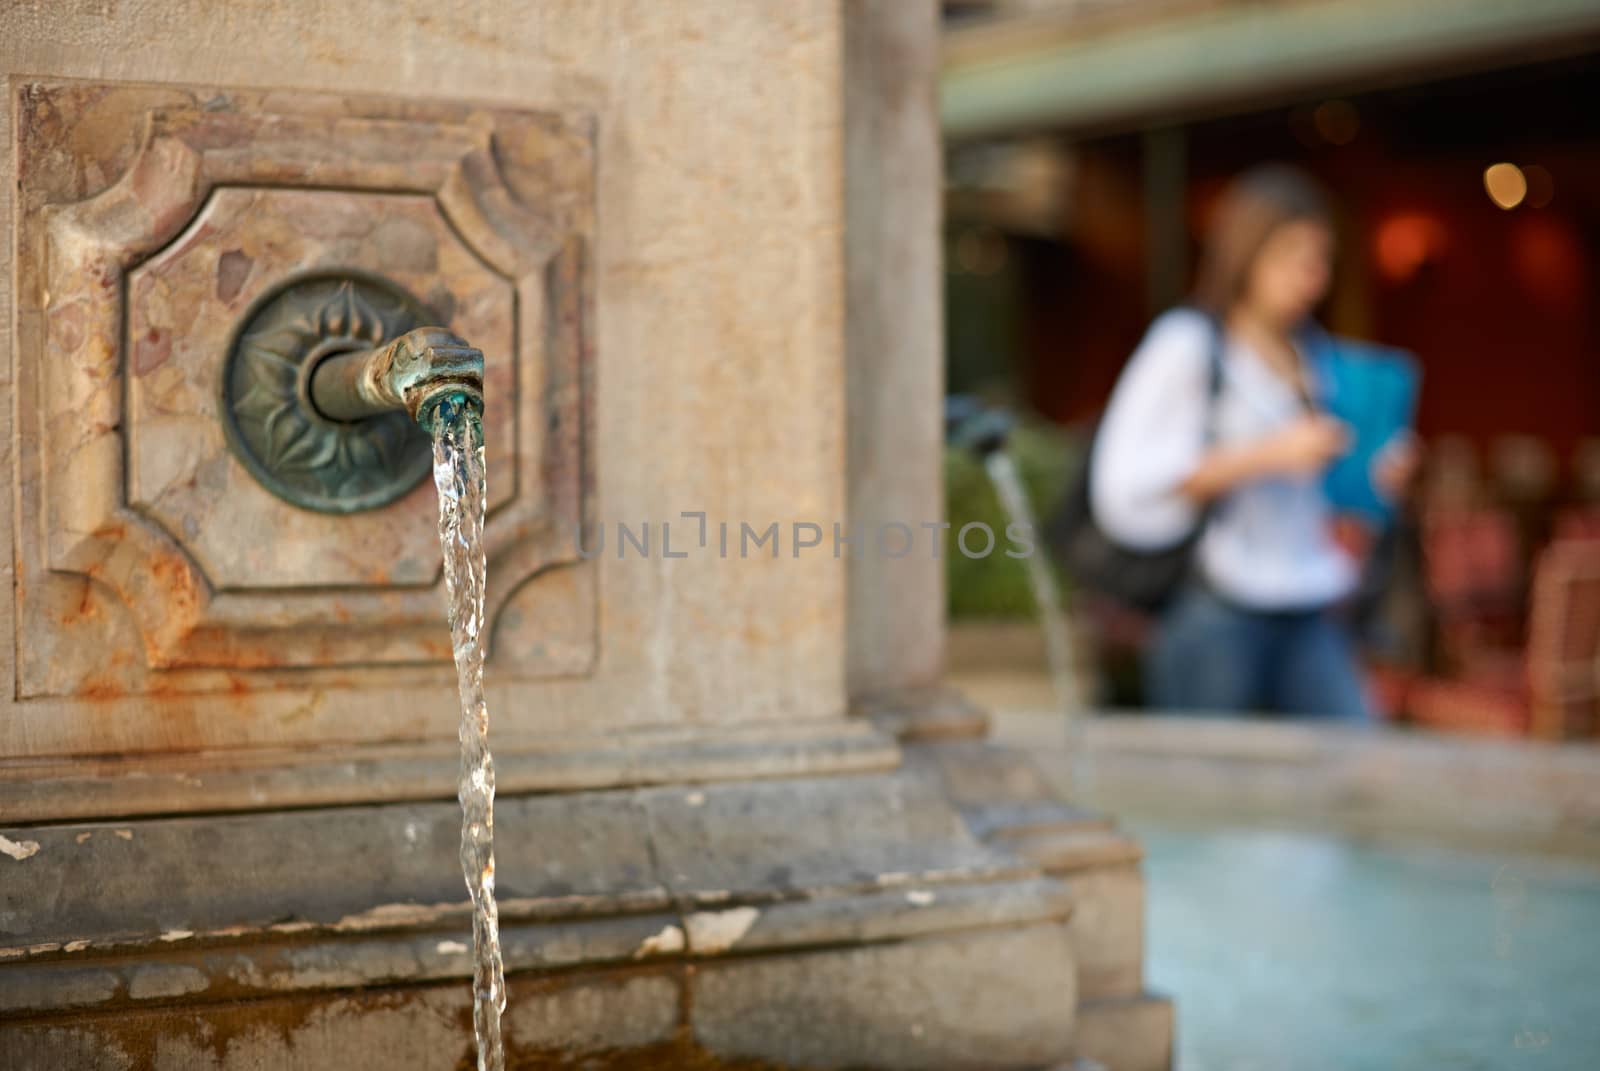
<point x="215" y="1034"/>
<point x="174" y="576"/>
<point x="216" y="1031"/>
<point x="677" y="1055"/>
<point x="86" y="608"/>
<point x="102" y="686"/>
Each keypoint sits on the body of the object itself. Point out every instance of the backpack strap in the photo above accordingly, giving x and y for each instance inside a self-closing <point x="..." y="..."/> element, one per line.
<point x="1214" y="375"/>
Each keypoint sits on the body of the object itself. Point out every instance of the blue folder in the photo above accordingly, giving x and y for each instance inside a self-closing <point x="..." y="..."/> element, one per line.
<point x="1373" y="389"/>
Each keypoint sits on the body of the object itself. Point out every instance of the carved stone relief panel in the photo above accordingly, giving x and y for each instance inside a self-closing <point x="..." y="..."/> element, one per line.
<point x="180" y="252"/>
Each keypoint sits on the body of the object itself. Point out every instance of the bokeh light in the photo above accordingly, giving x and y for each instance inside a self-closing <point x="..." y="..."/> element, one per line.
<point x="1405" y="242"/>
<point x="1505" y="184"/>
<point x="1541" y="185"/>
<point x="1548" y="260"/>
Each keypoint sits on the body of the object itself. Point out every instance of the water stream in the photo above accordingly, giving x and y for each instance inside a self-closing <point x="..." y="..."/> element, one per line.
<point x="458" y="473"/>
<point x="1046" y="594"/>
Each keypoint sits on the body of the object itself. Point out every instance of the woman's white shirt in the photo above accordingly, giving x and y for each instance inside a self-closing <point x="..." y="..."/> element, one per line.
<point x="1267" y="544"/>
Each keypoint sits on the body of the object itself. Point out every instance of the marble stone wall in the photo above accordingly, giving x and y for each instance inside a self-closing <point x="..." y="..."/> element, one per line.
<point x="714" y="346"/>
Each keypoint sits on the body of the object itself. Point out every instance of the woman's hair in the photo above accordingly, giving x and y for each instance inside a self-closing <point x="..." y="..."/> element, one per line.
<point x="1254" y="205"/>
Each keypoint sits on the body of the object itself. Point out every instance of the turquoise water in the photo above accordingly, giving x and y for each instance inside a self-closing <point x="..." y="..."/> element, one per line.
<point x="1308" y="951"/>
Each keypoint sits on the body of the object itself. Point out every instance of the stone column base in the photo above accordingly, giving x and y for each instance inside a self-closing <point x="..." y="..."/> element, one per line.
<point x="1008" y="804"/>
<point x="820" y="922"/>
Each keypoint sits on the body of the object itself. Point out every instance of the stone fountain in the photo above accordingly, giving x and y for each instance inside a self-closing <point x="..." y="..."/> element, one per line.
<point x="739" y="822"/>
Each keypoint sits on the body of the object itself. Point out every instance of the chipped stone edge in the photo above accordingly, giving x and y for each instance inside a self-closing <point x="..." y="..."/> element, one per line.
<point x="375" y="948"/>
<point x="20" y="850"/>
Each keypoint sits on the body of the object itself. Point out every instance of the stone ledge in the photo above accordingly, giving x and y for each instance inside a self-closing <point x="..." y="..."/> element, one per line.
<point x="268" y="779"/>
<point x="986" y="1000"/>
<point x="620" y="1019"/>
<point x="932" y="713"/>
<point x="108" y="915"/>
<point x="1007" y="802"/>
<point x="982" y="1001"/>
<point x="77" y="979"/>
<point x="1074" y="851"/>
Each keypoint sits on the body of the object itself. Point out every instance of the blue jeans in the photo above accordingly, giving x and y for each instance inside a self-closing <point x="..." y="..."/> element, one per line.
<point x="1210" y="655"/>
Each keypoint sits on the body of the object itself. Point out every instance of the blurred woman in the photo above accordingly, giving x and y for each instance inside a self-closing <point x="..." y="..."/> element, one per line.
<point x="1241" y="456"/>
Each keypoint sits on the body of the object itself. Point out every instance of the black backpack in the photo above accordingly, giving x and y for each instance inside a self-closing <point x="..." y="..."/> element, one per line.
<point x="1139" y="579"/>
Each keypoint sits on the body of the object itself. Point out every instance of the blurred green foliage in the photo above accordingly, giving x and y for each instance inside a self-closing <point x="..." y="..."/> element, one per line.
<point x="997" y="586"/>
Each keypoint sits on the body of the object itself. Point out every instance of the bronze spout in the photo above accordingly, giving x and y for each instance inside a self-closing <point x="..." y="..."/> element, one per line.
<point x="412" y="372"/>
